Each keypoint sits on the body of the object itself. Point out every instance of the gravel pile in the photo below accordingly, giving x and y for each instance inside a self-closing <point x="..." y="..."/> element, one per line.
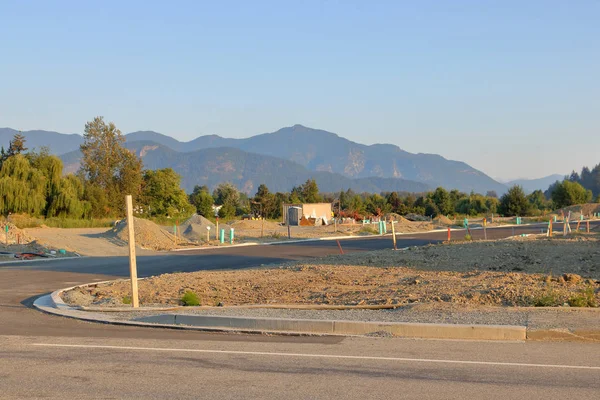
<point x="194" y="229"/>
<point x="148" y="235"/>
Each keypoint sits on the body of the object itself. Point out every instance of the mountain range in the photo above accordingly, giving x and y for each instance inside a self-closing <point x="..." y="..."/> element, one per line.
<point x="281" y="160"/>
<point x="531" y="185"/>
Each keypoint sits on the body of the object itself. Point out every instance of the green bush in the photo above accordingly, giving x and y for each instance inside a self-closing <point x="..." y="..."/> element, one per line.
<point x="369" y="230"/>
<point x="468" y="237"/>
<point x="126" y="299"/>
<point x="190" y="299"/>
<point x="584" y="299"/>
<point x="549" y="299"/>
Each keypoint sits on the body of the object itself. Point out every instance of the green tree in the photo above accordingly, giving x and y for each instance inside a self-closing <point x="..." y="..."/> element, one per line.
<point x="227" y="196"/>
<point x="17" y="145"/>
<point x="514" y="202"/>
<point x="310" y="192"/>
<point x="568" y="193"/>
<point x="106" y="164"/>
<point x="377" y="205"/>
<point x="442" y="200"/>
<point x="203" y="201"/>
<point x="537" y="200"/>
<point x="22" y="187"/>
<point x="66" y="201"/>
<point x="163" y="196"/>
<point x="266" y="201"/>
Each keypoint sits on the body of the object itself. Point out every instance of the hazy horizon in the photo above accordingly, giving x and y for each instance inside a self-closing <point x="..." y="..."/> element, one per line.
<point x="504" y="87"/>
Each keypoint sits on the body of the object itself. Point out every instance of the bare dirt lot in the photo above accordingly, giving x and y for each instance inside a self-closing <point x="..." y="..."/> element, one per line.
<point x="543" y="272"/>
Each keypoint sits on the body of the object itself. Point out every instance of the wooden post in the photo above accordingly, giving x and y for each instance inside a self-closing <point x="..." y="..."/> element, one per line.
<point x="578" y="224"/>
<point x="394" y="235"/>
<point x="340" y="247"/>
<point x="262" y="226"/>
<point x="588" y="226"/>
<point x="217" y="230"/>
<point x="449" y="234"/>
<point x="135" y="302"/>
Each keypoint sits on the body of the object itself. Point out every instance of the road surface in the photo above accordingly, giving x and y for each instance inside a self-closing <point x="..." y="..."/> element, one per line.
<point x="44" y="356"/>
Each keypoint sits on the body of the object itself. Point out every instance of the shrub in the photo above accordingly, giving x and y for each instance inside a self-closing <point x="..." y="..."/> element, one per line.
<point x="549" y="299"/>
<point x="126" y="299"/>
<point x="368" y="229"/>
<point x="468" y="237"/>
<point x="584" y="299"/>
<point x="190" y="299"/>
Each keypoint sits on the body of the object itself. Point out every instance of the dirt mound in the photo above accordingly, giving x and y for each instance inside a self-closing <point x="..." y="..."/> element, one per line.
<point x="148" y="235"/>
<point x="254" y="224"/>
<point x="443" y="220"/>
<point x="579" y="209"/>
<point x="194" y="228"/>
<point x="417" y="218"/>
<point x="15" y="235"/>
<point x="396" y="217"/>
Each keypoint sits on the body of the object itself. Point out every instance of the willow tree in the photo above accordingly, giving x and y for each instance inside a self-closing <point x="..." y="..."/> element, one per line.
<point x="67" y="199"/>
<point x="106" y="164"/>
<point x="22" y="187"/>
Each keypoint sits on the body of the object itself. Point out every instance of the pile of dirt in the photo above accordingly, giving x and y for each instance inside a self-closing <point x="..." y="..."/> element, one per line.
<point x="417" y="218"/>
<point x="443" y="220"/>
<point x="148" y="235"/>
<point x="239" y="226"/>
<point x="395" y="217"/>
<point x="194" y="229"/>
<point x="15" y="235"/>
<point x="586" y="210"/>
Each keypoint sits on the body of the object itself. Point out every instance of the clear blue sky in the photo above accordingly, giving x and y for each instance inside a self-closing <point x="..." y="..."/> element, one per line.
<point x="502" y="85"/>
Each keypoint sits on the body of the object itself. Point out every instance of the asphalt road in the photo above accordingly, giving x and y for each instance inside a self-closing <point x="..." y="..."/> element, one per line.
<point x="105" y="361"/>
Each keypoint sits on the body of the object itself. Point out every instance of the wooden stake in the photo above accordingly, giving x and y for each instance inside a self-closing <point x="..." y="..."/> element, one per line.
<point x="135" y="302"/>
<point x="340" y="247"/>
<point x="217" y="230"/>
<point x="394" y="235"/>
<point x="588" y="226"/>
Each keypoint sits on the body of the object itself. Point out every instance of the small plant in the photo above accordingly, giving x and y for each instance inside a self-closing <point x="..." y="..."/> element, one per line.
<point x="584" y="299"/>
<point x="468" y="237"/>
<point x="126" y="299"/>
<point x="190" y="299"/>
<point x="367" y="229"/>
<point x="548" y="299"/>
<point x="276" y="235"/>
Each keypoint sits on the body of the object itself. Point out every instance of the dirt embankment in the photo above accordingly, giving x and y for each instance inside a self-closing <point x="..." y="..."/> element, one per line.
<point x="508" y="273"/>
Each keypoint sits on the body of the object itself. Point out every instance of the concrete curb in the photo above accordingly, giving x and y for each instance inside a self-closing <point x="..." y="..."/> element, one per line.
<point x="17" y="261"/>
<point x="345" y="328"/>
<point x="53" y="304"/>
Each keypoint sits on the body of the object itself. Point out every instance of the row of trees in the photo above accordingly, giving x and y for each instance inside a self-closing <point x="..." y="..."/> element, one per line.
<point x="359" y="205"/>
<point x="32" y="182"/>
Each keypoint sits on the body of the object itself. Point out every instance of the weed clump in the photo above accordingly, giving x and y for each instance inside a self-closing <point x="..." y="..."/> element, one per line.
<point x="548" y="299"/>
<point x="584" y="299"/>
<point x="190" y="299"/>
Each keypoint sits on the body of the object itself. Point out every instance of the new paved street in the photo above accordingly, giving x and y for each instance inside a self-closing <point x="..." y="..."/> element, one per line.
<point x="43" y="356"/>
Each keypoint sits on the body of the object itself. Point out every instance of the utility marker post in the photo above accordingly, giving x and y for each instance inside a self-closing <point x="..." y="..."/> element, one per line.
<point x="135" y="302"/>
<point x="485" y="229"/>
